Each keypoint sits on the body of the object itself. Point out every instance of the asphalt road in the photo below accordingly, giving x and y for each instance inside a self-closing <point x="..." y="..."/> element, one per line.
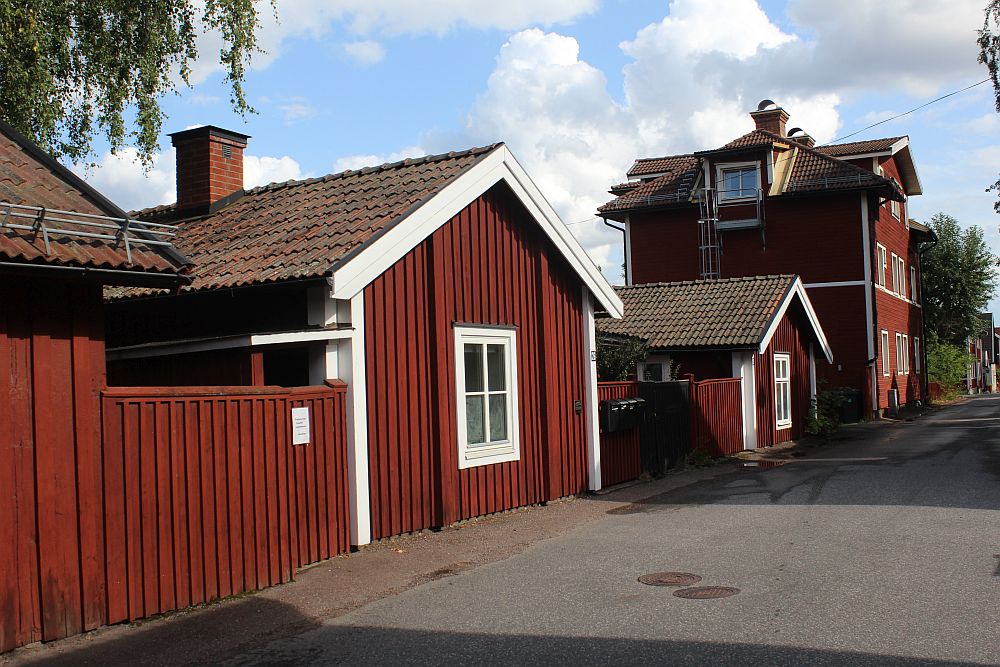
<point x="880" y="552"/>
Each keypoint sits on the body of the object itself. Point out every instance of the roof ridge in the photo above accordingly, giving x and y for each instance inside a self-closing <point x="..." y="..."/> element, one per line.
<point x="864" y="141"/>
<point x="386" y="166"/>
<point x="703" y="281"/>
<point x="844" y="163"/>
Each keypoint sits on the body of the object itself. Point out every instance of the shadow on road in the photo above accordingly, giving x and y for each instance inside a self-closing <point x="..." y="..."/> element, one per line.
<point x="382" y="646"/>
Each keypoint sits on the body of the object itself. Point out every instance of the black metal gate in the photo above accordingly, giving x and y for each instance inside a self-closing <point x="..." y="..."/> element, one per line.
<point x="665" y="437"/>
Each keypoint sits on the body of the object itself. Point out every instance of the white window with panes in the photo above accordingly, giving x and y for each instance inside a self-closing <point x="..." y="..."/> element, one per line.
<point x="486" y="379"/>
<point x="738" y="180"/>
<point x="881" y="265"/>
<point x="913" y="284"/>
<point x="902" y="277"/>
<point x="900" y="354"/>
<point x="885" y="352"/>
<point x="782" y="390"/>
<point x="895" y="273"/>
<point x="916" y="354"/>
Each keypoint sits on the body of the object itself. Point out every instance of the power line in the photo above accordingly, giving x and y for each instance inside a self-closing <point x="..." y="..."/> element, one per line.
<point x="580" y="222"/>
<point x="905" y="113"/>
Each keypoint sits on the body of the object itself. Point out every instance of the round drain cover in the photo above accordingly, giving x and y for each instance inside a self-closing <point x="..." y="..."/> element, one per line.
<point x="669" y="579"/>
<point x="706" y="592"/>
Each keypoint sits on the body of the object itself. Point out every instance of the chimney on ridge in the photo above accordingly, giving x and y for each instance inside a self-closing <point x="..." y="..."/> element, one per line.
<point x="772" y="120"/>
<point x="798" y="136"/>
<point x="209" y="166"/>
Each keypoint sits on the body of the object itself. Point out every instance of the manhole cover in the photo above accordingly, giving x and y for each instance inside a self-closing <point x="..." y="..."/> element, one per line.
<point x="706" y="592"/>
<point x="669" y="579"/>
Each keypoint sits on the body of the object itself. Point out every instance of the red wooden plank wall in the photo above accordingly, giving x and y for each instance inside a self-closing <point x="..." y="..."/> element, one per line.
<point x="51" y="372"/>
<point x="490" y="264"/>
<point x="791" y="336"/>
<point x="717" y="416"/>
<point x="205" y="496"/>
<point x="620" y="460"/>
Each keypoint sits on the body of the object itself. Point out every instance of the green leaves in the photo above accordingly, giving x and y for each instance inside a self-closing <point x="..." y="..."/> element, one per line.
<point x="70" y="69"/>
<point x="959" y="280"/>
<point x="989" y="55"/>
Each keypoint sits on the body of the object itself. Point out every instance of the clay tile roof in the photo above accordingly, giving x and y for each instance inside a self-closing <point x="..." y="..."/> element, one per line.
<point x="622" y="188"/>
<point x="814" y="171"/>
<point x="302" y="229"/>
<point x="754" y="139"/>
<point x="30" y="178"/>
<point x="673" y="187"/>
<point x="701" y="314"/>
<point x="859" y="147"/>
<point x="648" y="166"/>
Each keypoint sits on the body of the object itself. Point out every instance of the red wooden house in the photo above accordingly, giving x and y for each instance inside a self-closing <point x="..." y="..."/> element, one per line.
<point x="61" y="242"/>
<point x="771" y="202"/>
<point x="981" y="374"/>
<point x="444" y="290"/>
<point x="762" y="330"/>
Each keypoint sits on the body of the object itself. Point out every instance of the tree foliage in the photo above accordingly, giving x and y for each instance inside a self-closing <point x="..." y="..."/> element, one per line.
<point x="70" y="69"/>
<point x="617" y="357"/>
<point x="947" y="363"/>
<point x="989" y="55"/>
<point x="959" y="280"/>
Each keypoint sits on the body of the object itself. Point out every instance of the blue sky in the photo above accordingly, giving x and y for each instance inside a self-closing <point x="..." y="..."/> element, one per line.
<point x="579" y="88"/>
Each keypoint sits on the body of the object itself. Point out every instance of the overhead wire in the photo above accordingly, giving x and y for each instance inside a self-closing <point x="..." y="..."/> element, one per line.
<point x="906" y="113"/>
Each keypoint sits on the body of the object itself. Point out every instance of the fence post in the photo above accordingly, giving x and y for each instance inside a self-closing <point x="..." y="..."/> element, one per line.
<point x="693" y="403"/>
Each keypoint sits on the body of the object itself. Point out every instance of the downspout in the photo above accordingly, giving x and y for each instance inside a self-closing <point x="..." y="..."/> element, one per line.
<point x="923" y="323"/>
<point x="624" y="241"/>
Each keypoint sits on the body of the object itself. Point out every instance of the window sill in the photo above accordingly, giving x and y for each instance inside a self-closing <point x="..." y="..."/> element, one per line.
<point x="782" y="426"/>
<point x="481" y="456"/>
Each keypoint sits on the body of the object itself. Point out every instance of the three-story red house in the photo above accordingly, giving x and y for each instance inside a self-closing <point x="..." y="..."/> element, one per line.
<point x="772" y="202"/>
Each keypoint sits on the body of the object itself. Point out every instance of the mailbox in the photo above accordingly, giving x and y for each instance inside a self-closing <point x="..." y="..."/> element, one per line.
<point x="620" y="414"/>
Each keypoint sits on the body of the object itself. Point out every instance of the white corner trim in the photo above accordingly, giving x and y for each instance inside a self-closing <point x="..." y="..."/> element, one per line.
<point x="500" y="165"/>
<point x="628" y="249"/>
<point x="590" y="398"/>
<point x="354" y="371"/>
<point x="743" y="368"/>
<point x="866" y="251"/>
<point x="799" y="291"/>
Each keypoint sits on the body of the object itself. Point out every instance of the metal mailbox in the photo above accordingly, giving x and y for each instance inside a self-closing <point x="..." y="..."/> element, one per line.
<point x="620" y="414"/>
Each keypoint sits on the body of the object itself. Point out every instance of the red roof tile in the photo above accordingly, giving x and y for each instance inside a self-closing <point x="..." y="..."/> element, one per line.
<point x="859" y="147"/>
<point x="714" y="314"/>
<point x="30" y="179"/>
<point x="303" y="229"/>
<point x="671" y="188"/>
<point x="648" y="166"/>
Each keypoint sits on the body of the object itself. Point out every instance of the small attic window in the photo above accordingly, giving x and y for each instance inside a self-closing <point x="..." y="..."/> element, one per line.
<point x="227" y="151"/>
<point x="738" y="181"/>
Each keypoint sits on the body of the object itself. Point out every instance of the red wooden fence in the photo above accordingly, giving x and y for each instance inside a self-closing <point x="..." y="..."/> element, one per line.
<point x="620" y="460"/>
<point x="717" y="416"/>
<point x="194" y="494"/>
<point x="205" y="496"/>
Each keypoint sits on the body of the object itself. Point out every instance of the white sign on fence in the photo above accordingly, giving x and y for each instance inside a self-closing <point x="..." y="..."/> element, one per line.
<point x="300" y="426"/>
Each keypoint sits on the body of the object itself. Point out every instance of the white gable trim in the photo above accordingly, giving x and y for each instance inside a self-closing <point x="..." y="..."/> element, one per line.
<point x="797" y="291"/>
<point x="500" y="165"/>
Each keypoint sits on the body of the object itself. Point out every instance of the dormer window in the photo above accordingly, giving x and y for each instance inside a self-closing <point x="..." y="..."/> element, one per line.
<point x="738" y="181"/>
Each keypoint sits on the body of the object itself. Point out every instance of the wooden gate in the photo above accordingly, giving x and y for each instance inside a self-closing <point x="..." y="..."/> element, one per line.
<point x="717" y="416"/>
<point x="665" y="437"/>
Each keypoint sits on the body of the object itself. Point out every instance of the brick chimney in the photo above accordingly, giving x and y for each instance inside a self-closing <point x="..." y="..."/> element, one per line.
<point x="209" y="166"/>
<point x="772" y="120"/>
<point x="804" y="140"/>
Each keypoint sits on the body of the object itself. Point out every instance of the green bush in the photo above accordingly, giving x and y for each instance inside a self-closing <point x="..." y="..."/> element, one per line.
<point x="617" y="357"/>
<point x="947" y="364"/>
<point x="824" y="413"/>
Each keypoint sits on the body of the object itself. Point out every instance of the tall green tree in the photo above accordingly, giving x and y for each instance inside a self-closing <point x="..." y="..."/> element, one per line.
<point x="989" y="55"/>
<point x="959" y="280"/>
<point x="70" y="69"/>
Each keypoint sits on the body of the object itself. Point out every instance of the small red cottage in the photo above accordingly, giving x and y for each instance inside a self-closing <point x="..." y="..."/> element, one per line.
<point x="60" y="243"/>
<point x="763" y="330"/>
<point x="444" y="290"/>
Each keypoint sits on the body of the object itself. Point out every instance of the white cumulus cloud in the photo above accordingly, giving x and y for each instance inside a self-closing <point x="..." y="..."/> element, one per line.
<point x="365" y="52"/>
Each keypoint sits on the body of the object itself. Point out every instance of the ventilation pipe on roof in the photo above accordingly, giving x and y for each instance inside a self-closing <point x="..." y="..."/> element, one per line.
<point x="771" y="120"/>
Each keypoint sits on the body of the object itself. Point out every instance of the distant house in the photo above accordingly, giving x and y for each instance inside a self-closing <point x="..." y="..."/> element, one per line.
<point x="770" y="202"/>
<point x="981" y="374"/>
<point x="444" y="290"/>
<point x="60" y="243"/>
<point x="761" y="329"/>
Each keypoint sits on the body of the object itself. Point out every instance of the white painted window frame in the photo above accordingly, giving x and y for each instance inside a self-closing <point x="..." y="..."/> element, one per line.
<point x="916" y="354"/>
<point x="906" y="354"/>
<point x="783" y="386"/>
<point x="509" y="449"/>
<point x="882" y="265"/>
<point x="896" y="208"/>
<point x="895" y="273"/>
<point x="899" y="353"/>
<point x="913" y="283"/>
<point x="886" y="371"/>
<point x="902" y="276"/>
<point x="664" y="370"/>
<point x="729" y="166"/>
